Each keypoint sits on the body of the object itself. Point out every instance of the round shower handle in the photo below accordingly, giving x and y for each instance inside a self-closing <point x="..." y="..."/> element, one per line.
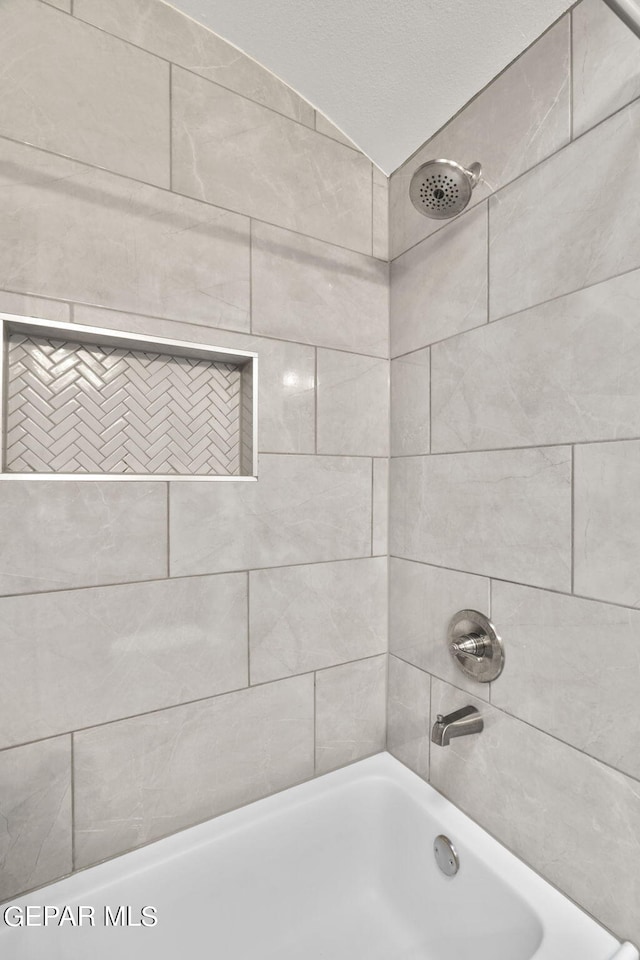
<point x="475" y="646"/>
<point x="470" y="645"/>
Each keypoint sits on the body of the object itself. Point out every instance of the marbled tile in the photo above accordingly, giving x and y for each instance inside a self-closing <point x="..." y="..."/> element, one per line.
<point x="311" y="291"/>
<point x="140" y="779"/>
<point x="27" y="306"/>
<point x="380" y="520"/>
<point x="75" y="659"/>
<point x="560" y="372"/>
<point x="353" y="404"/>
<point x="57" y="535"/>
<point x="301" y="510"/>
<point x="167" y="32"/>
<point x="80" y="92"/>
<point x="422" y="601"/>
<point x="308" y="617"/>
<point x="380" y="214"/>
<point x="606" y="73"/>
<point x="575" y="637"/>
<point x="565" y="225"/>
<point x="76" y="233"/>
<point x="574" y="820"/>
<point x="607" y="522"/>
<point x="60" y="4"/>
<point x="517" y="121"/>
<point x="267" y="166"/>
<point x="440" y="287"/>
<point x="286" y="377"/>
<point x="409" y="718"/>
<point x="350" y="712"/>
<point x="324" y="125"/>
<point x="504" y="514"/>
<point x="410" y="403"/>
<point x="35" y="815"/>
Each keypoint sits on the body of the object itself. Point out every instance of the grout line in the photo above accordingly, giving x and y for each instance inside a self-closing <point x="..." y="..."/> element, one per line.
<point x="315" y="400"/>
<point x="73" y="804"/>
<point x="315" y="723"/>
<point x="372" y="216"/>
<point x="251" y="243"/>
<point x="573" y="515"/>
<point x="488" y="260"/>
<point x="185" y="576"/>
<point x="171" y="127"/>
<point x="189" y="703"/>
<point x="373" y="498"/>
<point x="168" y="530"/>
<point x="186" y="196"/>
<point x="248" y="628"/>
<point x="532" y="446"/>
<point x="430" y="721"/>
<point x="519" y="583"/>
<point x="571" y="74"/>
<point x="430" y="404"/>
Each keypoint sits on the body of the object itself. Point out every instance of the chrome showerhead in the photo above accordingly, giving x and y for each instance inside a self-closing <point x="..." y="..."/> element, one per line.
<point x="442" y="188"/>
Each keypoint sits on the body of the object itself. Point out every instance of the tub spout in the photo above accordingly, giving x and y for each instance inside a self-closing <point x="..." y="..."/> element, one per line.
<point x="461" y="723"/>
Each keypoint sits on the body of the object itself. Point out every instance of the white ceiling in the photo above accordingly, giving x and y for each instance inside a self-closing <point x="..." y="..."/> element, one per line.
<point x="388" y="73"/>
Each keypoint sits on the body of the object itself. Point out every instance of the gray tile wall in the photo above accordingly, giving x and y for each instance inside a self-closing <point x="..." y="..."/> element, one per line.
<point x="228" y="641"/>
<point x="516" y="462"/>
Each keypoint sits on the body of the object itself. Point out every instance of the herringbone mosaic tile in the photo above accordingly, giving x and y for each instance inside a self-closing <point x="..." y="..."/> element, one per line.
<point x="88" y="408"/>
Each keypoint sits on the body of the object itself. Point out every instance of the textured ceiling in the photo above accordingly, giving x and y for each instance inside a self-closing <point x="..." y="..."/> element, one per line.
<point x="388" y="73"/>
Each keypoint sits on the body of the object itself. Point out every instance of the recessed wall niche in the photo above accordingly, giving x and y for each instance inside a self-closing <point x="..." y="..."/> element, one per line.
<point x="88" y="403"/>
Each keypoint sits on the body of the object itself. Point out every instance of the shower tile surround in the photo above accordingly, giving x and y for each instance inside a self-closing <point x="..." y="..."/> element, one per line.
<point x="251" y="619"/>
<point x="516" y="461"/>
<point x="156" y="644"/>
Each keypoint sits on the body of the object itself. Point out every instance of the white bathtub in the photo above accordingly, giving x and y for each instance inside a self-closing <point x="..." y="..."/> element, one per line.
<point x="340" y="868"/>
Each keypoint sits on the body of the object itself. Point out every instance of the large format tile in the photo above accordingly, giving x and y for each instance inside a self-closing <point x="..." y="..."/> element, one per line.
<point x="267" y="166"/>
<point x="422" y="601"/>
<point x="440" y="287"/>
<point x="74" y="533"/>
<point x="505" y="514"/>
<point x="159" y="28"/>
<point x="571" y="222"/>
<point x="607" y="521"/>
<point x="35" y="815"/>
<point x="286" y="378"/>
<point x="574" y="820"/>
<point x="517" y="121"/>
<point x="140" y="779"/>
<point x="329" y="129"/>
<point x="571" y="642"/>
<point x="301" y="510"/>
<point x="73" y="232"/>
<point x="410" y="404"/>
<point x="350" y="712"/>
<point x="75" y="659"/>
<point x="311" y="291"/>
<point x="560" y="372"/>
<point x="308" y="617"/>
<point x="80" y="92"/>
<point x="409" y="716"/>
<point x="353" y="404"/>
<point x="606" y="73"/>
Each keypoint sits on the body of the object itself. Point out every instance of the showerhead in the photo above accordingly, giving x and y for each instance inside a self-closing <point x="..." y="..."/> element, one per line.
<point x="442" y="188"/>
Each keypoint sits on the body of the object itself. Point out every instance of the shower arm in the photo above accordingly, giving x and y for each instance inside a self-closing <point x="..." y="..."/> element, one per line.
<point x="628" y="11"/>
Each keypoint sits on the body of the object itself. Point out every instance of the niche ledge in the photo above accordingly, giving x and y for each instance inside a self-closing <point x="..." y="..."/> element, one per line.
<point x="86" y="403"/>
